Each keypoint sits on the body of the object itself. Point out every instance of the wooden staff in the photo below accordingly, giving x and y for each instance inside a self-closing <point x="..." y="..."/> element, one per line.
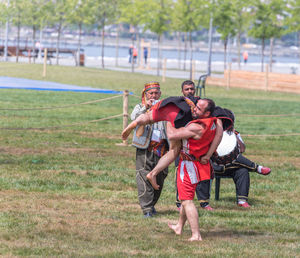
<point x="148" y="58"/>
<point x="193" y="70"/>
<point x="164" y="70"/>
<point x="267" y="77"/>
<point x="228" y="76"/>
<point x="125" y="112"/>
<point x="29" y="56"/>
<point x="45" y="62"/>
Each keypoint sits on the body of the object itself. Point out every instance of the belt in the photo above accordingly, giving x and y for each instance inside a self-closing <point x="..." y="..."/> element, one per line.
<point x="185" y="156"/>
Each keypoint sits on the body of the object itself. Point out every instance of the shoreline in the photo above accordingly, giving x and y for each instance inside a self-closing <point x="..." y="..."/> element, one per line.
<point x="172" y="66"/>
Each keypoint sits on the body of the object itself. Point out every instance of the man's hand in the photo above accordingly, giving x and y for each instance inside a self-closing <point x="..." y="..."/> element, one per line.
<point x="149" y="103"/>
<point x="204" y="159"/>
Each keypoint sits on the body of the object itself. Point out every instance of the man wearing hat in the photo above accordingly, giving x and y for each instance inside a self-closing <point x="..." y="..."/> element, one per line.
<point x="151" y="144"/>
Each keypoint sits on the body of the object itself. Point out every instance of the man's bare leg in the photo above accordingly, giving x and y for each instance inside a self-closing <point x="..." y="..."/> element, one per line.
<point x="164" y="162"/>
<point x="143" y="119"/>
<point x="192" y="217"/>
<point x="178" y="228"/>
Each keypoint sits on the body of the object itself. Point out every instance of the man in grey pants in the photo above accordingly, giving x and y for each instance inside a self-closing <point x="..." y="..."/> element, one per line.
<point x="151" y="144"/>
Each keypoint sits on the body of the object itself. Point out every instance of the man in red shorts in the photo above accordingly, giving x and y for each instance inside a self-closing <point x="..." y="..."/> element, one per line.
<point x="196" y="137"/>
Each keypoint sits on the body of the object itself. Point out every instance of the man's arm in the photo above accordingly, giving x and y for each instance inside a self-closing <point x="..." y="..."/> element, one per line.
<point x="215" y="143"/>
<point x="141" y="109"/>
<point x="137" y="111"/>
<point x="240" y="142"/>
<point x="193" y="130"/>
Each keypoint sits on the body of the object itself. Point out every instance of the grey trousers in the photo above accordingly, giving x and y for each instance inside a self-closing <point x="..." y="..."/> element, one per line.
<point x="147" y="195"/>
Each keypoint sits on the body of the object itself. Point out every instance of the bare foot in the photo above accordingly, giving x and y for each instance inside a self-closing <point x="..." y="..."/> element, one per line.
<point x="195" y="238"/>
<point x="128" y="130"/>
<point x="152" y="179"/>
<point x="175" y="228"/>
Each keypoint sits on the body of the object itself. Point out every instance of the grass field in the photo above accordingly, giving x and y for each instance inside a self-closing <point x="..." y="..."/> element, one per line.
<point x="70" y="190"/>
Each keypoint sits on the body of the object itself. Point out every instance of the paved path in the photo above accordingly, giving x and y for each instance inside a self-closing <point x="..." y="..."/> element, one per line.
<point x="172" y="70"/>
<point x="172" y="65"/>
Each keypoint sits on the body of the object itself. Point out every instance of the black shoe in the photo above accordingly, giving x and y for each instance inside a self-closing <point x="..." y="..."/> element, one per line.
<point x="154" y="212"/>
<point x="148" y="215"/>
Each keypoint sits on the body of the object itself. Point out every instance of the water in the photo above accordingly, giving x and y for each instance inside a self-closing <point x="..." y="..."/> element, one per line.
<point x="110" y="51"/>
<point x="95" y="51"/>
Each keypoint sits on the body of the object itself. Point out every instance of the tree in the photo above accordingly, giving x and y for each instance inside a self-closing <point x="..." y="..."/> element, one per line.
<point x="80" y="14"/>
<point x="117" y="15"/>
<point x="224" y="22"/>
<point x="264" y="24"/>
<point x="177" y="24"/>
<point x="156" y="19"/>
<point x="241" y="16"/>
<point x="13" y="13"/>
<point x="60" y="14"/>
<point x="33" y="15"/>
<point x="132" y="12"/>
<point x="277" y="16"/>
<point x="188" y="16"/>
<point x="103" y="14"/>
<point x="293" y="20"/>
<point x="6" y="14"/>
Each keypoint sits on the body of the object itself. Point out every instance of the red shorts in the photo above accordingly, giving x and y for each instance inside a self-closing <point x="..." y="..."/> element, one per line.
<point x="166" y="113"/>
<point x="189" y="174"/>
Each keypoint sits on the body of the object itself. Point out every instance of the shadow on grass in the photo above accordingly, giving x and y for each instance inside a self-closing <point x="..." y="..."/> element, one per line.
<point x="229" y="234"/>
<point x="161" y="213"/>
<point x="232" y="200"/>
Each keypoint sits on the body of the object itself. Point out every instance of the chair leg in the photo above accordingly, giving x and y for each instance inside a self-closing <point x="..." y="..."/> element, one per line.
<point x="217" y="188"/>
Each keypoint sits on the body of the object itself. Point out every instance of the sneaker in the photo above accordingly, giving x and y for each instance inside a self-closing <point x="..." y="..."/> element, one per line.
<point x="154" y="212"/>
<point x="244" y="204"/>
<point x="148" y="215"/>
<point x="208" y="208"/>
<point x="265" y="171"/>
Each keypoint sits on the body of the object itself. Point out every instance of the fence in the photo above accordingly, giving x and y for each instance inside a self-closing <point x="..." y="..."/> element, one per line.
<point x="124" y="115"/>
<point x="258" y="80"/>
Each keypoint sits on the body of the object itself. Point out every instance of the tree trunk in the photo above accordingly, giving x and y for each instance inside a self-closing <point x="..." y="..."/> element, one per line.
<point x="18" y="40"/>
<point x="185" y="50"/>
<point x="271" y="53"/>
<point x="158" y="55"/>
<point x="77" y="59"/>
<point x="33" y="42"/>
<point x="138" y="39"/>
<point x="179" y="50"/>
<point x="102" y="49"/>
<point x="40" y="45"/>
<point x="117" y="45"/>
<point x="225" y="52"/>
<point x="210" y="32"/>
<point x="299" y="45"/>
<point x="58" y="40"/>
<point x="132" y="61"/>
<point x="191" y="58"/>
<point x="239" y="49"/>
<point x="262" y="54"/>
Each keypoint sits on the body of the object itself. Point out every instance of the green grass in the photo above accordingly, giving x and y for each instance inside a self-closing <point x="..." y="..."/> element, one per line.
<point x="70" y="190"/>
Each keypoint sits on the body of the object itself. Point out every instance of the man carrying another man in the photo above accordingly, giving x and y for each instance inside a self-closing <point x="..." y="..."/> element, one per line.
<point x="196" y="138"/>
<point x="203" y="187"/>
